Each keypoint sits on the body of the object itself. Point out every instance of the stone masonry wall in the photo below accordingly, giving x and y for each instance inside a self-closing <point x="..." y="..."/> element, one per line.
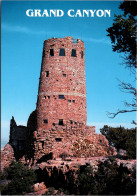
<point x="61" y="136"/>
<point x="18" y="136"/>
<point x="73" y="140"/>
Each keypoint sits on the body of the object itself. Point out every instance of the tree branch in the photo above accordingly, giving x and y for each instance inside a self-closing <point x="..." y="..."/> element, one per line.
<point x="127" y="88"/>
<point x="123" y="40"/>
<point x="133" y="122"/>
<point x="113" y="115"/>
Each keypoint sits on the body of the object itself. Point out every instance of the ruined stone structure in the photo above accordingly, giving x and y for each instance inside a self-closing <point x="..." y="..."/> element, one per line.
<point x="18" y="135"/>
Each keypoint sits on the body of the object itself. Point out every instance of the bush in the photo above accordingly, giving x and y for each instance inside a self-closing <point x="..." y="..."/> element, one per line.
<point x="60" y="191"/>
<point x="121" y="138"/>
<point x="86" y="181"/>
<point x="50" y="191"/>
<point x="109" y="179"/>
<point x="112" y="179"/>
<point x="22" y="179"/>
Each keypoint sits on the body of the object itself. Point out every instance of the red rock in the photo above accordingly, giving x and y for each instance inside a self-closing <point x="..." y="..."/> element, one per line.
<point x="39" y="186"/>
<point x="7" y="156"/>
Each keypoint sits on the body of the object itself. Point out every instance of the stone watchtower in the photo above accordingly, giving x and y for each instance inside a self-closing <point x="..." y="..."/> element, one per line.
<point x="61" y="104"/>
<point x="62" y="86"/>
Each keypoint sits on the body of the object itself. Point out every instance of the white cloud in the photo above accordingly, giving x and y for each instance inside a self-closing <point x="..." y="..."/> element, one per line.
<point x="100" y="40"/>
<point x="26" y="30"/>
<point x="21" y="29"/>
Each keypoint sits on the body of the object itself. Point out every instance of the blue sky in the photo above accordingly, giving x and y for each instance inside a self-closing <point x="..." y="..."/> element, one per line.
<point x="22" y="42"/>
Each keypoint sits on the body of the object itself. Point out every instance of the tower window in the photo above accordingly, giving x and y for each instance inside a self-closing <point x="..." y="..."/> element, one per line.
<point x="61" y="97"/>
<point x="71" y="122"/>
<point x="51" y="52"/>
<point x="58" y="139"/>
<point x="47" y="73"/>
<point x="73" y="101"/>
<point x="73" y="53"/>
<point x="69" y="101"/>
<point x="62" y="52"/>
<point x="60" y="121"/>
<point x="42" y="144"/>
<point x="45" y="121"/>
<point x="64" y="75"/>
<point x="82" y="54"/>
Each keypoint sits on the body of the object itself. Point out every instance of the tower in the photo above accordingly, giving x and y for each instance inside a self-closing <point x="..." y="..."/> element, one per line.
<point x="61" y="103"/>
<point x="62" y="85"/>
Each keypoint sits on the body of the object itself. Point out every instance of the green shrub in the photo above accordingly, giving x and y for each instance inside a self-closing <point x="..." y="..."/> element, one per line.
<point x="50" y="191"/>
<point x="121" y="138"/>
<point x="22" y="179"/>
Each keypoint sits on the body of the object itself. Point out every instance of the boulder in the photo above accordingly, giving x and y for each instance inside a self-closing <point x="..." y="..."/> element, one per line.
<point x="39" y="186"/>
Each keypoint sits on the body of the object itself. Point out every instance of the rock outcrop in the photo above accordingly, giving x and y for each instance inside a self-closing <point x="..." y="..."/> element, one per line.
<point x="7" y="156"/>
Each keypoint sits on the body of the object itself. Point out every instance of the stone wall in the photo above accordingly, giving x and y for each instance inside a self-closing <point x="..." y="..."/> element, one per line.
<point x="74" y="140"/>
<point x="18" y="136"/>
